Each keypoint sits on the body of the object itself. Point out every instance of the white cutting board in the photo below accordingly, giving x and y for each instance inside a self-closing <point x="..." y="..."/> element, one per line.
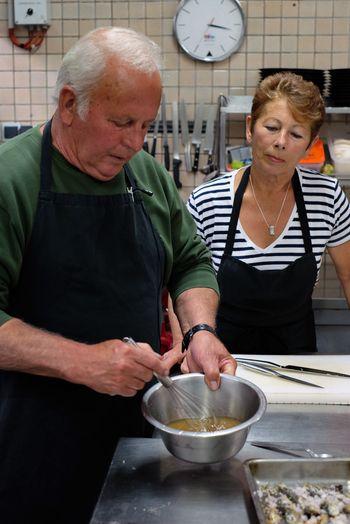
<point x="336" y="390"/>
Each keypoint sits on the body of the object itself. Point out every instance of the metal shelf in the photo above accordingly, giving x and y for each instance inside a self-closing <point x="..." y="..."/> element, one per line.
<point x="338" y="110"/>
<point x="242" y="104"/>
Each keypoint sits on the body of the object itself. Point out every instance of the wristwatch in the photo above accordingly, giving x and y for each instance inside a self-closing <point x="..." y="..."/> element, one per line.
<point x="198" y="327"/>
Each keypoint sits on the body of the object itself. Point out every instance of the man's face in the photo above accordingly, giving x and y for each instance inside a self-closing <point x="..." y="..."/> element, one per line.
<point x="116" y="123"/>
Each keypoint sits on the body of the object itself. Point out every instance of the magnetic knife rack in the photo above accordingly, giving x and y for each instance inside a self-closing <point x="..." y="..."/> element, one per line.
<point x="169" y="126"/>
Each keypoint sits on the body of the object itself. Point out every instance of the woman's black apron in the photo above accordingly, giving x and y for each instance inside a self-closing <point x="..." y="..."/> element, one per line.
<point x="93" y="271"/>
<point x="267" y="311"/>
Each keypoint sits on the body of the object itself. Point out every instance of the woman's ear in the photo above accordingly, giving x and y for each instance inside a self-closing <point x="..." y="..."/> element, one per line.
<point x="248" y="130"/>
<point x="67" y="104"/>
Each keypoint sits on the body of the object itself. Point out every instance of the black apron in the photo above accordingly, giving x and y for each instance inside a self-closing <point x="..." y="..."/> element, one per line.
<point x="93" y="271"/>
<point x="267" y="311"/>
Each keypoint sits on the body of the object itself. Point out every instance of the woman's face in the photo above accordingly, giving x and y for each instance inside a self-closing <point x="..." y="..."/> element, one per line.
<point x="278" y="140"/>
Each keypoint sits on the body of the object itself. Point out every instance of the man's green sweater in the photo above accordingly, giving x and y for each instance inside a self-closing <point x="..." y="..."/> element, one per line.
<point x="187" y="263"/>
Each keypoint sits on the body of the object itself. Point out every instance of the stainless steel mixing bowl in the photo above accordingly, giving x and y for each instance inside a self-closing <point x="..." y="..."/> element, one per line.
<point x="236" y="397"/>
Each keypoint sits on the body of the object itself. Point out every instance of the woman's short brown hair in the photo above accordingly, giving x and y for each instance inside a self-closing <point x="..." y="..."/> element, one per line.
<point x="304" y="99"/>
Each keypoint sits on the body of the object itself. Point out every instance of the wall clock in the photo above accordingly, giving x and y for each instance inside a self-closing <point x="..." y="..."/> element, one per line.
<point x="209" y="30"/>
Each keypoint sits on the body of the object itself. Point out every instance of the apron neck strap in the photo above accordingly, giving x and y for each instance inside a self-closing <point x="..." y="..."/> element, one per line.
<point x="129" y="178"/>
<point x="299" y="199"/>
<point x="237" y="203"/>
<point x="46" y="158"/>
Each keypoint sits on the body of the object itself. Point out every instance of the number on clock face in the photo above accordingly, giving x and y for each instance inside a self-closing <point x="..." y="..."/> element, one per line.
<point x="209" y="30"/>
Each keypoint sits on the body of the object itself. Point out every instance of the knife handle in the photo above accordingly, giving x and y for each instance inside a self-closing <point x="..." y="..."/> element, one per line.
<point x="154" y="147"/>
<point x="196" y="159"/>
<point x="176" y="172"/>
<point x="166" y="157"/>
<point x="145" y="146"/>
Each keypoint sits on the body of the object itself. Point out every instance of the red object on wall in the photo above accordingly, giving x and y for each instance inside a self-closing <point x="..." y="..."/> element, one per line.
<point x="166" y="338"/>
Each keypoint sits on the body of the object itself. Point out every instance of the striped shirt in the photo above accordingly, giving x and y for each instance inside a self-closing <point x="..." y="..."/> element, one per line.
<point x="328" y="213"/>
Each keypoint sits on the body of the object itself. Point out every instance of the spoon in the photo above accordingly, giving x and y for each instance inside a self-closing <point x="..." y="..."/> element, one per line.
<point x="298" y="452"/>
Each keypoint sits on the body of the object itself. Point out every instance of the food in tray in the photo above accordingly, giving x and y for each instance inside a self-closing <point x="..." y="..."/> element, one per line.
<point x="205" y="424"/>
<point x="305" y="503"/>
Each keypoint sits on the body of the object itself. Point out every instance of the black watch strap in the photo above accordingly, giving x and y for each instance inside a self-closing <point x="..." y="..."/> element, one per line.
<point x="198" y="327"/>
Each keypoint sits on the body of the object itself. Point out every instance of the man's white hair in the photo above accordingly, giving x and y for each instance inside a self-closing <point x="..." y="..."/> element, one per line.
<point x="84" y="64"/>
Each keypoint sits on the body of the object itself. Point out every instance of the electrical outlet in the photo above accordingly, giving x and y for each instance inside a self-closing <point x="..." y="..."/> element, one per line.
<point x="31" y="12"/>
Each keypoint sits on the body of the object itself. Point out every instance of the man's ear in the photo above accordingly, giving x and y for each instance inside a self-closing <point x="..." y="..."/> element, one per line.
<point x="248" y="130"/>
<point x="67" y="104"/>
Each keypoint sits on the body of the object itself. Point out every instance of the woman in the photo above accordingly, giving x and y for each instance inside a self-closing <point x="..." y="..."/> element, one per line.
<point x="268" y="225"/>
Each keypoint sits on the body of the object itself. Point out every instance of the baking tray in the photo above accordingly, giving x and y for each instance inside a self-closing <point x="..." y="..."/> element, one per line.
<point x="292" y="472"/>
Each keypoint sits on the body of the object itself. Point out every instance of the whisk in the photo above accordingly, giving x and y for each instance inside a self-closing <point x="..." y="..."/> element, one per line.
<point x="197" y="411"/>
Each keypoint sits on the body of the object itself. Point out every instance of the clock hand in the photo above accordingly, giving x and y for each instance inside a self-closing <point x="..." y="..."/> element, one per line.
<point x="205" y="32"/>
<point x="219" y="26"/>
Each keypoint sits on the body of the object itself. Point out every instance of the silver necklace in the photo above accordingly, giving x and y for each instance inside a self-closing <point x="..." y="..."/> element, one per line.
<point x="271" y="227"/>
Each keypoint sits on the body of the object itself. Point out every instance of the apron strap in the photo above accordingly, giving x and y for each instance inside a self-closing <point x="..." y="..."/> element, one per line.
<point x="132" y="184"/>
<point x="237" y="203"/>
<point x="129" y="178"/>
<point x="299" y="199"/>
<point x="46" y="157"/>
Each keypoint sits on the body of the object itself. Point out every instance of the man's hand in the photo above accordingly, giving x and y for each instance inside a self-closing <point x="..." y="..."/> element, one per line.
<point x="208" y="355"/>
<point x="116" y="368"/>
<point x="111" y="367"/>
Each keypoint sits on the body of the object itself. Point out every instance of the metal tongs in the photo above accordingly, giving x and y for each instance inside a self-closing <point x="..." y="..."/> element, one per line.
<point x="266" y="370"/>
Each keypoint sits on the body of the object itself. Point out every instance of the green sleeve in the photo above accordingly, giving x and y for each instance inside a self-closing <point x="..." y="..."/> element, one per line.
<point x="192" y="265"/>
<point x="19" y="186"/>
<point x="10" y="262"/>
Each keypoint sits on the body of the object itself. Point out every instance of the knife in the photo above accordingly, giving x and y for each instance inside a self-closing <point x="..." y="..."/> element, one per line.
<point x="197" y="135"/>
<point x="185" y="139"/>
<point x="208" y="142"/>
<point x="165" y="135"/>
<point x="176" y="154"/>
<point x="155" y="136"/>
<point x="268" y="371"/>
<point x="290" y="367"/>
<point x="276" y="447"/>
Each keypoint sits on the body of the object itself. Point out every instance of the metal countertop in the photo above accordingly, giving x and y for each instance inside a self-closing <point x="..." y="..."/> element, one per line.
<point x="147" y="484"/>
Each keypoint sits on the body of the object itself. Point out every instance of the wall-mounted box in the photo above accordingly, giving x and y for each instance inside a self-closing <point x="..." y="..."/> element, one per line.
<point x="31" y="12"/>
<point x="11" y="129"/>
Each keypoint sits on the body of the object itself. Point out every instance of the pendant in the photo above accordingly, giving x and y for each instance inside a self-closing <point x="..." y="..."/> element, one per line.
<point x="272" y="230"/>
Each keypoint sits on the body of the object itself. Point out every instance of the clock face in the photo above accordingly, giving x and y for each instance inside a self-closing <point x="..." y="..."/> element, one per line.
<point x="209" y="30"/>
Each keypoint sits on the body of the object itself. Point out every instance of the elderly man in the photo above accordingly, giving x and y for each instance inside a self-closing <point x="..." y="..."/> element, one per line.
<point x="91" y="229"/>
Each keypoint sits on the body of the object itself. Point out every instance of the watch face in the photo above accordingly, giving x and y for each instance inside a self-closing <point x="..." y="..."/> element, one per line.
<point x="209" y="30"/>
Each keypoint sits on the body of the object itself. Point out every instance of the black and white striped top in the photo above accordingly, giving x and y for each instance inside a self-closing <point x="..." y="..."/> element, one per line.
<point x="327" y="208"/>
